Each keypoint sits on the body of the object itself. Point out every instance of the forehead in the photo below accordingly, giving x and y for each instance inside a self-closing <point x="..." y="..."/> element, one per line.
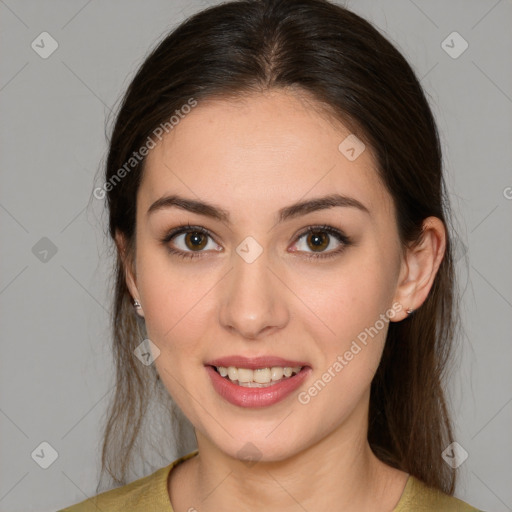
<point x="261" y="149"/>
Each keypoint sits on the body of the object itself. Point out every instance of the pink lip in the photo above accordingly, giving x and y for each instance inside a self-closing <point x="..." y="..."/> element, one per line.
<point x="255" y="362"/>
<point x="256" y="397"/>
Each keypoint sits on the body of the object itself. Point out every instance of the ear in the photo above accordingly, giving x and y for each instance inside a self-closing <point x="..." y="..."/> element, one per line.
<point x="419" y="267"/>
<point x="129" y="269"/>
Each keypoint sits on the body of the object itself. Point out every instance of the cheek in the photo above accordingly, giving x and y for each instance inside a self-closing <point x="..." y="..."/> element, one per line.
<point x="176" y="310"/>
<point x="346" y="312"/>
<point x="349" y="297"/>
<point x="349" y="334"/>
<point x="176" y="303"/>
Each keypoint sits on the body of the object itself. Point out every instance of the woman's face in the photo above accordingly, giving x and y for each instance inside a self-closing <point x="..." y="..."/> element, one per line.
<point x="252" y="286"/>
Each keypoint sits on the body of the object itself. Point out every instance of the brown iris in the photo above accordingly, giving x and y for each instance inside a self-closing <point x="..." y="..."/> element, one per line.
<point x="197" y="240"/>
<point x="319" y="240"/>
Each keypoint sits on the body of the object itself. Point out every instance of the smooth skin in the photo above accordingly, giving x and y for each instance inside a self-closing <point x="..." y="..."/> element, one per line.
<point x="251" y="158"/>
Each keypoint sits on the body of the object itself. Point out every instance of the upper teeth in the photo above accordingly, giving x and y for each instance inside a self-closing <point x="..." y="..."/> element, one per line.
<point x="260" y="375"/>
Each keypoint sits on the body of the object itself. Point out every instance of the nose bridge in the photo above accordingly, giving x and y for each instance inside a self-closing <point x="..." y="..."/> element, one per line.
<point x="253" y="301"/>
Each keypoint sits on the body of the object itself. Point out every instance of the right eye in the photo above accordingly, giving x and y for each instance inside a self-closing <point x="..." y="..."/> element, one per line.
<point x="189" y="240"/>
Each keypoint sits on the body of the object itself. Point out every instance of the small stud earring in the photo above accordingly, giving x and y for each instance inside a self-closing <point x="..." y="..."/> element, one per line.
<point x="409" y="311"/>
<point x="136" y="304"/>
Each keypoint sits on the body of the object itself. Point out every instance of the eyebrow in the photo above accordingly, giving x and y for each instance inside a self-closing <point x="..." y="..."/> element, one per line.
<point x="289" y="212"/>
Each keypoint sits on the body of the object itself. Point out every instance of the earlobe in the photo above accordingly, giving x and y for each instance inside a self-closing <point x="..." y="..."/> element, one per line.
<point x="420" y="264"/>
<point x="138" y="307"/>
<point x="129" y="272"/>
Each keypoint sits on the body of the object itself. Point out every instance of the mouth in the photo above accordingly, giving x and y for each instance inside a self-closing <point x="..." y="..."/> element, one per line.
<point x="255" y="383"/>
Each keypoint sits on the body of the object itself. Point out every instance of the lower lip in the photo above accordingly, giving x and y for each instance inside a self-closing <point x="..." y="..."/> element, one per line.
<point x="256" y="397"/>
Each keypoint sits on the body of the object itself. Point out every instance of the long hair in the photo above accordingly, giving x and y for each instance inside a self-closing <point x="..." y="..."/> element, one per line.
<point x="357" y="76"/>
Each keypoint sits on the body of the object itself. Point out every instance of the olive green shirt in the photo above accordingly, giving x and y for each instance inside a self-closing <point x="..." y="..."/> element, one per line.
<point x="150" y="494"/>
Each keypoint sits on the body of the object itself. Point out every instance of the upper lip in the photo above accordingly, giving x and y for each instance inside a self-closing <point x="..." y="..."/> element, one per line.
<point x="253" y="363"/>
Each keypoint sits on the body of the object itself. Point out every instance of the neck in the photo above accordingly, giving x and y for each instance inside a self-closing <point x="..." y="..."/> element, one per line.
<point x="338" y="472"/>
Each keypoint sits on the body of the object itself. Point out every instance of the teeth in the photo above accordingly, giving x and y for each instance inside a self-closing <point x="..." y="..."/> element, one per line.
<point x="244" y="375"/>
<point x="261" y="377"/>
<point x="277" y="373"/>
<point x="232" y="373"/>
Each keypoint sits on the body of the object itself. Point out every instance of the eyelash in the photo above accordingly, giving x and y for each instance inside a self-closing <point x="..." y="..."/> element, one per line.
<point x="341" y="237"/>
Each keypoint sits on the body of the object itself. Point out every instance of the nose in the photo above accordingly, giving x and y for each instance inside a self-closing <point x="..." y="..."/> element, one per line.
<point x="253" y="304"/>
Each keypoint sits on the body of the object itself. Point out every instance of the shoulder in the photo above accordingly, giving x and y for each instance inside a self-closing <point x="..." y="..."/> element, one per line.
<point x="419" y="497"/>
<point x="148" y="493"/>
<point x="128" y="497"/>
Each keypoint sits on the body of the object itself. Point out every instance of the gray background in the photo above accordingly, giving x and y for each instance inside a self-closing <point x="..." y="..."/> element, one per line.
<point x="56" y="368"/>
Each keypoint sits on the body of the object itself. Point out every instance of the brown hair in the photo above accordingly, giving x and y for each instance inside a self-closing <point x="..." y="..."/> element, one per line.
<point x="350" y="69"/>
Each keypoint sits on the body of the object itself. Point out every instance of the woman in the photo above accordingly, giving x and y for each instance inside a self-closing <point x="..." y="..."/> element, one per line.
<point x="276" y="199"/>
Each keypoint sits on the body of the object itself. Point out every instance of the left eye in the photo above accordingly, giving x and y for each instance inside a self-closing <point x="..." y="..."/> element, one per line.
<point x="319" y="239"/>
